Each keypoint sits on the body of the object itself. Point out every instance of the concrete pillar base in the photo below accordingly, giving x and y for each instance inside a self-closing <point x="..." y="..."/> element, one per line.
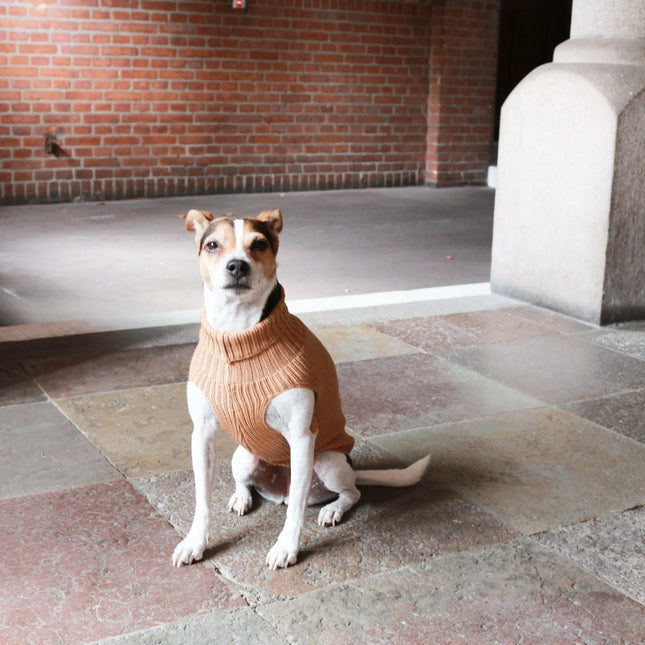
<point x="569" y="228"/>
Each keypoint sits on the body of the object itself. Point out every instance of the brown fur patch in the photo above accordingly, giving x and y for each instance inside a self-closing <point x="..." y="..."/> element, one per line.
<point x="265" y="258"/>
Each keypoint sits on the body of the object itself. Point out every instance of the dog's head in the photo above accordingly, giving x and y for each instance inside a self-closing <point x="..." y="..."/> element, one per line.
<point x="237" y="256"/>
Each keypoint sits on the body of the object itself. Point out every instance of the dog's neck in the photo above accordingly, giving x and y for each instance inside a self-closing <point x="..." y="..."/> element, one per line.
<point x="227" y="313"/>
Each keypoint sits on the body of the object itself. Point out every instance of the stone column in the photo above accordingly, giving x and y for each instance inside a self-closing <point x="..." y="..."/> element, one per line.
<point x="569" y="230"/>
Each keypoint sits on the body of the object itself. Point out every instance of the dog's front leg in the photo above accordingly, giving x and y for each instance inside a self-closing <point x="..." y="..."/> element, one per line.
<point x="291" y="414"/>
<point x="205" y="424"/>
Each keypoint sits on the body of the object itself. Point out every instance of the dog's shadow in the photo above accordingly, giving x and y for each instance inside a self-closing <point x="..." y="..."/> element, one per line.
<point x="432" y="507"/>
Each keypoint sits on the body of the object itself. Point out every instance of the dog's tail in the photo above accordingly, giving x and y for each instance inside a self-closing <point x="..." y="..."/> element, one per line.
<point x="397" y="477"/>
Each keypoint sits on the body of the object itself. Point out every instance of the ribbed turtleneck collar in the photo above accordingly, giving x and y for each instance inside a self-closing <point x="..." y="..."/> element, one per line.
<point x="237" y="346"/>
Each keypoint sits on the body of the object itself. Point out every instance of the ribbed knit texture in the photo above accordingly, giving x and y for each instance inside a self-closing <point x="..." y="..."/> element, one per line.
<point x="241" y="372"/>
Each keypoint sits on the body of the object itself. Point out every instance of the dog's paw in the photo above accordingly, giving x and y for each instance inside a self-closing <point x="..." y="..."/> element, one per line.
<point x="188" y="551"/>
<point x="280" y="557"/>
<point x="331" y="514"/>
<point x="240" y="502"/>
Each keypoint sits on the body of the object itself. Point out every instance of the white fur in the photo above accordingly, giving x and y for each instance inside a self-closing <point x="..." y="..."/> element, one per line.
<point x="240" y="252"/>
<point x="290" y="413"/>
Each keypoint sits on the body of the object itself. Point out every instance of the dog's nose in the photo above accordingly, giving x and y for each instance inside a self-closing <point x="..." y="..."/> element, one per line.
<point x="237" y="268"/>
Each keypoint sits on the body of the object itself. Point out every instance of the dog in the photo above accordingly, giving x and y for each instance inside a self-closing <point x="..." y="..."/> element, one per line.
<point x="260" y="374"/>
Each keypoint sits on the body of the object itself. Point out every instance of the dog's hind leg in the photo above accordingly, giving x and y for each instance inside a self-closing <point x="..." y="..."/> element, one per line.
<point x="244" y="466"/>
<point x="205" y="424"/>
<point x="337" y="475"/>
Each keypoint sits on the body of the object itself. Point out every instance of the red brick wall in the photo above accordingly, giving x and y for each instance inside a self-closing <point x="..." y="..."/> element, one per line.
<point x="461" y="100"/>
<point x="172" y="97"/>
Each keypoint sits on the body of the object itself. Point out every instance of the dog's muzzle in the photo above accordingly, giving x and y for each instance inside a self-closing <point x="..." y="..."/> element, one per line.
<point x="238" y="275"/>
<point x="237" y="268"/>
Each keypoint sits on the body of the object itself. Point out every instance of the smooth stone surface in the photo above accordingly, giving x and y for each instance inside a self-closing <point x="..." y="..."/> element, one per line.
<point x="514" y="592"/>
<point x="360" y="342"/>
<point x="42" y="451"/>
<point x="612" y="547"/>
<point x="142" y="430"/>
<point x="417" y="390"/>
<point x="65" y="376"/>
<point x="94" y="562"/>
<point x="622" y="413"/>
<point x="233" y="627"/>
<point x="555" y="369"/>
<point x="628" y="339"/>
<point x="484" y="327"/>
<point x="533" y="470"/>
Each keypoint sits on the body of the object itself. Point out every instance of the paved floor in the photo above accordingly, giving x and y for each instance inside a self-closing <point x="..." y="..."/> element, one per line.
<point x="528" y="527"/>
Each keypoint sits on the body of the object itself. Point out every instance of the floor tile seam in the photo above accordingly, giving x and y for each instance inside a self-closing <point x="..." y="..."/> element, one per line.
<point x="438" y="426"/>
<point x="115" y="391"/>
<point x="583" y="567"/>
<point x="423" y="565"/>
<point x="351" y="583"/>
<point x="511" y="311"/>
<point x="615" y="350"/>
<point x="184" y="622"/>
<point x="617" y="435"/>
<point x="267" y="622"/>
<point x="532" y="539"/>
<point x="458" y="367"/>
<point x="612" y="395"/>
<point x="578" y="566"/>
<point x="20" y="404"/>
<point x="71" y="489"/>
<point x="446" y="358"/>
<point x="579" y="337"/>
<point x="456" y="329"/>
<point x="121" y="473"/>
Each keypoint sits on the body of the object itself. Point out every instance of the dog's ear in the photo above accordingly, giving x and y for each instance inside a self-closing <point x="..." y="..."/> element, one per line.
<point x="273" y="219"/>
<point x="198" y="221"/>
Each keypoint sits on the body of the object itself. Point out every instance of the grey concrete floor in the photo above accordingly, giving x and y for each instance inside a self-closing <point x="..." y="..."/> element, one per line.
<point x="92" y="260"/>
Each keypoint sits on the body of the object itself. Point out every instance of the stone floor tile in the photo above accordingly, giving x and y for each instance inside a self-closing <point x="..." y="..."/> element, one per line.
<point x="403" y="392"/>
<point x="621" y="413"/>
<point x="16" y="386"/>
<point x="553" y="322"/>
<point x="93" y="562"/>
<point x="628" y="339"/>
<point x="66" y="376"/>
<point x="239" y="626"/>
<point x="533" y="470"/>
<point x="612" y="547"/>
<point x="360" y="342"/>
<point x="141" y="431"/>
<point x="438" y="333"/>
<point x="516" y="592"/>
<point x="388" y="529"/>
<point x="555" y="369"/>
<point x="42" y="451"/>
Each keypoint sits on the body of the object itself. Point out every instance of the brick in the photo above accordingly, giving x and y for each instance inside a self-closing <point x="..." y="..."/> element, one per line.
<point x="165" y="88"/>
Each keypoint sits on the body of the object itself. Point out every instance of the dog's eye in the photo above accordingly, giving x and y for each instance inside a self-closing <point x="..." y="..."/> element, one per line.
<point x="259" y="245"/>
<point x="211" y="246"/>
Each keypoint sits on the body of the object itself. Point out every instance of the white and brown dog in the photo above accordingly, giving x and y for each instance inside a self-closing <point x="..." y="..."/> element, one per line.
<point x="262" y="376"/>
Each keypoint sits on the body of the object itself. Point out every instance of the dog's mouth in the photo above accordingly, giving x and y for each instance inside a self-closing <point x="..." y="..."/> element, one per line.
<point x="238" y="286"/>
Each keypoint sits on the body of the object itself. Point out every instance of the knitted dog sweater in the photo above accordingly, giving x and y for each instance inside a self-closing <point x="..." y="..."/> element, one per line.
<point x="241" y="372"/>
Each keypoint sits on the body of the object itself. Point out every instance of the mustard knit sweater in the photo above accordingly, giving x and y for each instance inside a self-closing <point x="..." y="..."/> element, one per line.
<point x="241" y="372"/>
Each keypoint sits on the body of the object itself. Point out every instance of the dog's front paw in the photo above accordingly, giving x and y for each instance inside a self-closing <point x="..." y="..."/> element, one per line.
<point x="189" y="550"/>
<point x="240" y="502"/>
<point x="280" y="556"/>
